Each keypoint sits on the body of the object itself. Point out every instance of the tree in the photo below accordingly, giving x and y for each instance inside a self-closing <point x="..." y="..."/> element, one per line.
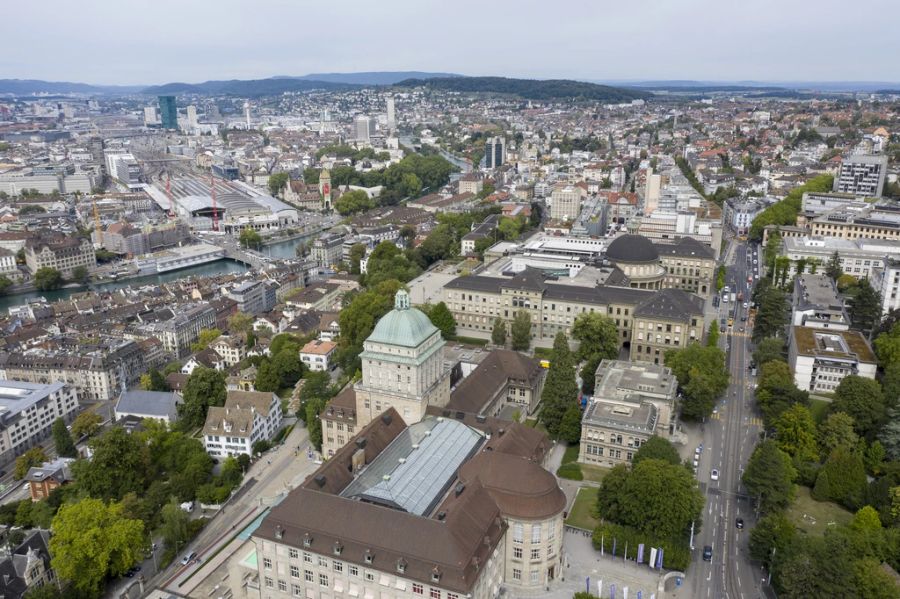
<point x="80" y="274"/>
<point x="701" y="374"/>
<point x="768" y="350"/>
<point x="204" y="338"/>
<point x="353" y="201"/>
<point x="597" y="335"/>
<point x="277" y="182"/>
<point x="712" y="334"/>
<point x="865" y="306"/>
<point x="656" y="448"/>
<point x="570" y="425"/>
<point x="249" y="238"/>
<point x="205" y="387"/>
<point x="521" y="330"/>
<point x="833" y="268"/>
<point x="119" y="465"/>
<point x="86" y="424"/>
<point x="92" y="540"/>
<point x="358" y="318"/>
<point x="861" y="398"/>
<point x="769" y="477"/>
<point x="267" y="378"/>
<point x="174" y="528"/>
<point x="655" y="497"/>
<point x="442" y="318"/>
<point x="357" y="253"/>
<point x="837" y="431"/>
<point x="889" y="436"/>
<point x="287" y="366"/>
<point x="874" y="457"/>
<point x="387" y="262"/>
<point x="498" y="333"/>
<point x="772" y="312"/>
<point x="240" y="323"/>
<point x="796" y="434"/>
<point x="47" y="279"/>
<point x="31" y="458"/>
<point x="775" y="532"/>
<point x="777" y="392"/>
<point x="560" y="388"/>
<point x="5" y="283"/>
<point x="62" y="440"/>
<point x="842" y="479"/>
<point x="154" y="381"/>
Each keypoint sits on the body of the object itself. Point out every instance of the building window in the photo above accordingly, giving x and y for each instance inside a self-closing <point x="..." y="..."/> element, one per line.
<point x="517" y="574"/>
<point x="323" y="562"/>
<point x="518" y="532"/>
<point x="295" y="572"/>
<point x="307" y="558"/>
<point x="323" y="580"/>
<point x="337" y="566"/>
<point x="418" y="589"/>
<point x="353" y="570"/>
<point x="294" y="553"/>
<point x="517" y="552"/>
<point x="535" y="576"/>
<point x="536" y="553"/>
<point x="536" y="533"/>
<point x="269" y="582"/>
<point x="296" y="590"/>
<point x="435" y="593"/>
<point x="267" y="563"/>
<point x="282" y="586"/>
<point x="308" y="575"/>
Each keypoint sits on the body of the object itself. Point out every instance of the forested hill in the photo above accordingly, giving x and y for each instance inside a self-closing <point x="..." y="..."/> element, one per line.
<point x="531" y="89"/>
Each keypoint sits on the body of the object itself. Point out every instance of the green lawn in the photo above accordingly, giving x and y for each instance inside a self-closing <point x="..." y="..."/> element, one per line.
<point x="594" y="473"/>
<point x="571" y="454"/>
<point x="583" y="514"/>
<point x="818" y="408"/>
<point x="543" y="353"/>
<point x="813" y="516"/>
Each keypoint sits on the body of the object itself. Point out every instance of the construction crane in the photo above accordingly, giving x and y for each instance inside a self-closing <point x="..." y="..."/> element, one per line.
<point x="169" y="194"/>
<point x="215" y="210"/>
<point x="97" y="227"/>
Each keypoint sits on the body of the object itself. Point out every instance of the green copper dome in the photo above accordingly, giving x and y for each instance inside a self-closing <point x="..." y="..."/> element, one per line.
<point x="404" y="326"/>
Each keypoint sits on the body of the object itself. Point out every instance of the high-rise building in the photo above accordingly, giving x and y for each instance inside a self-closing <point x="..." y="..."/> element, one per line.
<point x="391" y="114"/>
<point x="150" y="117"/>
<point x="361" y="128"/>
<point x="168" y="112"/>
<point x="566" y="202"/>
<point x="494" y="152"/>
<point x="192" y="116"/>
<point x="862" y="175"/>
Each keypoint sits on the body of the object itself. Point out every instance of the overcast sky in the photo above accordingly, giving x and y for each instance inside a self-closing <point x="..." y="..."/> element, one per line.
<point x="160" y="41"/>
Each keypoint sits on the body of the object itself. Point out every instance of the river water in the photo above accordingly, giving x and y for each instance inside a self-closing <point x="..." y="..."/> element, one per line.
<point x="283" y="249"/>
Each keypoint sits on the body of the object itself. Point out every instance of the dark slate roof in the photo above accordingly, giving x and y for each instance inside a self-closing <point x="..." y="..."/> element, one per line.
<point x="673" y="304"/>
<point x="476" y="283"/>
<point x="597" y="295"/>
<point x="530" y="279"/>
<point x="687" y="247"/>
<point x="632" y="248"/>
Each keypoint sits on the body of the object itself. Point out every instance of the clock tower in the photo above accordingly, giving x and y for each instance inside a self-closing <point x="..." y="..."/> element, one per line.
<point x="325" y="188"/>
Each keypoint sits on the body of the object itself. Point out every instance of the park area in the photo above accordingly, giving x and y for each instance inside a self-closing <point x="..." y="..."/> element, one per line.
<point x="572" y="470"/>
<point x="815" y="517"/>
<point x="584" y="509"/>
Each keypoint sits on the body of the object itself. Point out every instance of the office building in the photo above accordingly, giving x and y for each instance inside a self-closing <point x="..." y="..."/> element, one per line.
<point x="253" y="297"/>
<point x="886" y="280"/>
<point x="150" y="116"/>
<point x="739" y="213"/>
<point x="192" y="117"/>
<point x="168" y="112"/>
<point x="361" y="129"/>
<point x="816" y="304"/>
<point x="179" y="332"/>
<point x="565" y="202"/>
<point x="862" y="175"/>
<point x="631" y="403"/>
<point x="391" y="114"/>
<point x="27" y="412"/>
<point x="821" y="359"/>
<point x="246" y="418"/>
<point x="872" y="221"/>
<point x="485" y="519"/>
<point x="859" y="258"/>
<point x="327" y="250"/>
<point x="494" y="152"/>
<point x="652" y="185"/>
<point x="505" y="380"/>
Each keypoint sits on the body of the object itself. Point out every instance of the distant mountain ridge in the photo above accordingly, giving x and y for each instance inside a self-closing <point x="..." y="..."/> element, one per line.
<point x="246" y="87"/>
<point x="25" y="87"/>
<point x="375" y="77"/>
<point x="532" y="89"/>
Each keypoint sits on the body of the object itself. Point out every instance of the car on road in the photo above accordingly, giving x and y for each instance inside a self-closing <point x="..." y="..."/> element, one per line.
<point x="746" y="305"/>
<point x="707" y="553"/>
<point x="714" y="475"/>
<point x="739" y="523"/>
<point x="742" y="329"/>
<point x="188" y="558"/>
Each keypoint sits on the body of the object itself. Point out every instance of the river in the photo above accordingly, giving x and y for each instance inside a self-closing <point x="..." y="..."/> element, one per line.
<point x="283" y="249"/>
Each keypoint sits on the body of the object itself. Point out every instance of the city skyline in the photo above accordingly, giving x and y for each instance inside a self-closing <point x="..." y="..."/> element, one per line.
<point x="704" y="41"/>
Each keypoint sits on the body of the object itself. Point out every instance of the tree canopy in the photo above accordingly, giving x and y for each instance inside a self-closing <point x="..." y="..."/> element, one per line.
<point x="560" y="388"/>
<point x="702" y="376"/>
<point x="205" y="387"/>
<point x="769" y="477"/>
<point x="521" y="330"/>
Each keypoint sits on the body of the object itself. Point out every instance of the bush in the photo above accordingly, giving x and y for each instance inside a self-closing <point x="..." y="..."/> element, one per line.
<point x="676" y="554"/>
<point x="571" y="471"/>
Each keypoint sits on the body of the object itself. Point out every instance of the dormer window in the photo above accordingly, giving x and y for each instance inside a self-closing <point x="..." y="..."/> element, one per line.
<point x="369" y="557"/>
<point x="338" y="548"/>
<point x="279" y="532"/>
<point x="435" y="574"/>
<point x="401" y="565"/>
<point x="307" y="540"/>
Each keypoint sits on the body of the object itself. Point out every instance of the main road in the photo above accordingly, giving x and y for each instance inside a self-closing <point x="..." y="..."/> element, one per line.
<point x="728" y="440"/>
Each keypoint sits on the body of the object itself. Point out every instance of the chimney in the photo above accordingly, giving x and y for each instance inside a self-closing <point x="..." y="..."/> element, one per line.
<point x="320" y="480"/>
<point x="386" y="418"/>
<point x="460" y="487"/>
<point x="358" y="460"/>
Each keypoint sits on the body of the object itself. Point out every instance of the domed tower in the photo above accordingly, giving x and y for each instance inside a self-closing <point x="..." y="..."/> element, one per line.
<point x="402" y="365"/>
<point x="636" y="256"/>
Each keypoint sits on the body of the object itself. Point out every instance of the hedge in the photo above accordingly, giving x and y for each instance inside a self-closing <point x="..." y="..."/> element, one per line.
<point x="571" y="471"/>
<point x="676" y="554"/>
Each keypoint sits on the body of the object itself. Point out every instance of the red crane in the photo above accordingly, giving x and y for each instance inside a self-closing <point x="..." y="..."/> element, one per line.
<point x="215" y="226"/>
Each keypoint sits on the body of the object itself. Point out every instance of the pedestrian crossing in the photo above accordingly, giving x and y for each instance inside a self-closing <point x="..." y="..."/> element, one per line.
<point x="753" y="420"/>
